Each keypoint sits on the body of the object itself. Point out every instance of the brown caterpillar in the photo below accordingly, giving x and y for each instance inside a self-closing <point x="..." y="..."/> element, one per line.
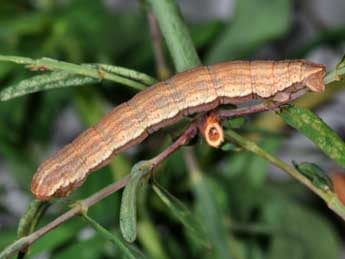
<point x="197" y="90"/>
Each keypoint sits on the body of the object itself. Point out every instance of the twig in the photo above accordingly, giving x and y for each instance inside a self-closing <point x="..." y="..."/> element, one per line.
<point x="176" y="34"/>
<point x="270" y="105"/>
<point x="89" y="70"/>
<point x="25" y="242"/>
<point x="328" y="196"/>
<point x="83" y="205"/>
<point x="161" y="65"/>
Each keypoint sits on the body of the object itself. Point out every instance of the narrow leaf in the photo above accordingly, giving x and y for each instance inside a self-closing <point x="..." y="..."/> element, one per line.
<point x="176" y="34"/>
<point x="129" y="73"/>
<point x="128" y="250"/>
<point x="13" y="248"/>
<point x="315" y="174"/>
<point x="182" y="213"/>
<point x="31" y="218"/>
<point x="44" y="82"/>
<point x="316" y="130"/>
<point x="337" y="74"/>
<point x="128" y="224"/>
<point x="115" y="74"/>
<point x="211" y="213"/>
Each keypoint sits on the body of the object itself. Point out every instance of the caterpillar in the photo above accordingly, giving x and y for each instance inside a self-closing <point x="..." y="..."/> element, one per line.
<point x="197" y="90"/>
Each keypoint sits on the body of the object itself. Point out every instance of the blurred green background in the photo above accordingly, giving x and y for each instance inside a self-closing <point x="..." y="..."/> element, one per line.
<point x="253" y="209"/>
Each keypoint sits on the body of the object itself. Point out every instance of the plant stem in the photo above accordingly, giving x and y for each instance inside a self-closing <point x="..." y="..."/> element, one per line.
<point x="83" y="205"/>
<point x="176" y="34"/>
<point x="163" y="71"/>
<point x="25" y="242"/>
<point x="329" y="197"/>
<point x="112" y="73"/>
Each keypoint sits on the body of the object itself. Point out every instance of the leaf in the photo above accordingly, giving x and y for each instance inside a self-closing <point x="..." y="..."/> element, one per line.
<point x="269" y="19"/>
<point x="30" y="219"/>
<point x="228" y="147"/>
<point x="12" y="248"/>
<point x="316" y="130"/>
<point x="87" y="249"/>
<point x="300" y="232"/>
<point x="234" y="123"/>
<point x="57" y="238"/>
<point x="45" y="82"/>
<point x="176" y="34"/>
<point x="150" y="239"/>
<point x="128" y="250"/>
<point x="93" y="73"/>
<point x="337" y="74"/>
<point x="211" y="213"/>
<point x="183" y="214"/>
<point x="286" y="248"/>
<point x="128" y="224"/>
<point x="315" y="174"/>
<point x="129" y="73"/>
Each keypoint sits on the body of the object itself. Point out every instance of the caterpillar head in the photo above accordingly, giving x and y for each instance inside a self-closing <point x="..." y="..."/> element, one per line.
<point x="313" y="76"/>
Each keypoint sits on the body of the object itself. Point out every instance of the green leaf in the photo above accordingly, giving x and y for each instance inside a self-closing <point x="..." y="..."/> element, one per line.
<point x="269" y="19"/>
<point x="45" y="82"/>
<point x="128" y="250"/>
<point x="300" y="231"/>
<point x="89" y="72"/>
<point x="87" y="249"/>
<point x="337" y="74"/>
<point x="315" y="174"/>
<point x="286" y="248"/>
<point x="128" y="224"/>
<point x="316" y="130"/>
<point x="228" y="147"/>
<point x="211" y="213"/>
<point x="61" y="236"/>
<point x="234" y="123"/>
<point x="129" y="73"/>
<point x="30" y="219"/>
<point x="176" y="34"/>
<point x="150" y="239"/>
<point x="183" y="214"/>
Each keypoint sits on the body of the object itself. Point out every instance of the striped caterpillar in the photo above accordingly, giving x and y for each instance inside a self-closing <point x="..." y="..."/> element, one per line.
<point x="197" y="90"/>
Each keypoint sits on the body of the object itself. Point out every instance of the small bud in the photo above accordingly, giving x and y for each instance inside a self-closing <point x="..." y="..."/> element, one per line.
<point x="212" y="130"/>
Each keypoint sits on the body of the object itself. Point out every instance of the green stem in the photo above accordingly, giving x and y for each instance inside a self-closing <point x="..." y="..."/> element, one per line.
<point x="329" y="197"/>
<point x="176" y="34"/>
<point x="104" y="72"/>
<point x="129" y="73"/>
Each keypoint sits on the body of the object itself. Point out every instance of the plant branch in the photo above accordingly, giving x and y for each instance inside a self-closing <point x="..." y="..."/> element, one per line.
<point x="328" y="196"/>
<point x="23" y="243"/>
<point x="120" y="75"/>
<point x="265" y="106"/>
<point x="161" y="65"/>
<point x="176" y="34"/>
<point x="83" y="205"/>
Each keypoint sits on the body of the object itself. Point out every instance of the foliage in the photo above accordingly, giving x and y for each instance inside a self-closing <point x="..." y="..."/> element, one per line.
<point x="219" y="205"/>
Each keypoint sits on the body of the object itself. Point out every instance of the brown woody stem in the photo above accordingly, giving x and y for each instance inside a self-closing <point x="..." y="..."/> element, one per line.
<point x="265" y="106"/>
